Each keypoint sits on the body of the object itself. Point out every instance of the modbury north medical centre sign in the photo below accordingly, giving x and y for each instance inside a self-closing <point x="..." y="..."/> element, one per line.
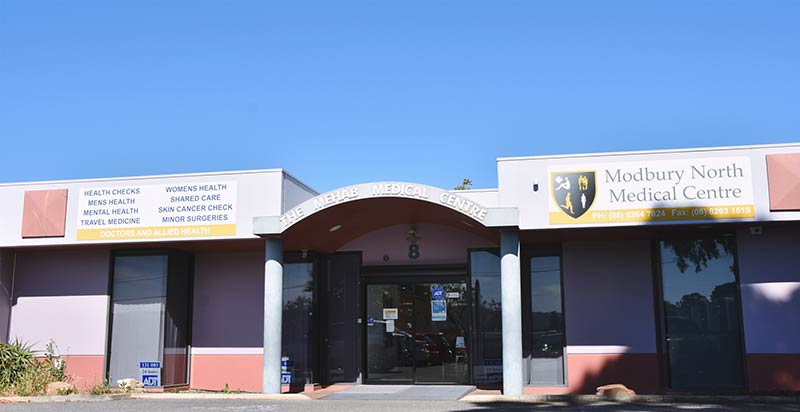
<point x="665" y="190"/>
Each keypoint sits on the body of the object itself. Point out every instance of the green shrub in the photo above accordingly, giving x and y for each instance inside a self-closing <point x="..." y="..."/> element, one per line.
<point x="23" y="373"/>
<point x="100" y="389"/>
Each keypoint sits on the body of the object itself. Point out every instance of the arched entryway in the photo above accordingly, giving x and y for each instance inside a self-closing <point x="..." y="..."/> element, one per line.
<point x="404" y="250"/>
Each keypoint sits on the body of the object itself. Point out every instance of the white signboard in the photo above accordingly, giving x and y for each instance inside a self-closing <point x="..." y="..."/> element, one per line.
<point x="389" y="313"/>
<point x="150" y="374"/>
<point x="664" y="190"/>
<point x="196" y="209"/>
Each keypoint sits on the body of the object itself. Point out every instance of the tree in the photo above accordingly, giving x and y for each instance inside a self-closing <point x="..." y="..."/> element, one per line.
<point x="466" y="184"/>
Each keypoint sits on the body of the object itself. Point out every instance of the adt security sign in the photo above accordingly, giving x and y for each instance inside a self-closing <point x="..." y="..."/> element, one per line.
<point x="438" y="293"/>
<point x="150" y="374"/>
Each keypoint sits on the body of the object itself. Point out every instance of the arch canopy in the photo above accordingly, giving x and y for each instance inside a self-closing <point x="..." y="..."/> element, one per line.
<point x="333" y="218"/>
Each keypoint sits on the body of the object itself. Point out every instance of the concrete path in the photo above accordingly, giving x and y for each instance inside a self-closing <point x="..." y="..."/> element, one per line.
<point x="402" y="393"/>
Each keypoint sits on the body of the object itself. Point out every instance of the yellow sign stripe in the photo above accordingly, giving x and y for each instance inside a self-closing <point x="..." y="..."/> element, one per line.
<point x="656" y="214"/>
<point x="156" y="232"/>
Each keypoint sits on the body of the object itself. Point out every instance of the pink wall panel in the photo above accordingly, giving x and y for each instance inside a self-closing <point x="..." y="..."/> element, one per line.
<point x="85" y="371"/>
<point x="63" y="296"/>
<point x="6" y="267"/>
<point x="615" y="276"/>
<point x="783" y="172"/>
<point x="239" y="372"/>
<point x="438" y="244"/>
<point x="228" y="300"/>
<point x="44" y="213"/>
<point x="773" y="373"/>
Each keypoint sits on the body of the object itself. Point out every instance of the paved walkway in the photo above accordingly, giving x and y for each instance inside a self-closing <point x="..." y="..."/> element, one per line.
<point x="402" y="392"/>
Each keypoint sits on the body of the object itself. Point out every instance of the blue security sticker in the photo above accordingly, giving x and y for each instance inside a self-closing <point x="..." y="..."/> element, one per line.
<point x="438" y="293"/>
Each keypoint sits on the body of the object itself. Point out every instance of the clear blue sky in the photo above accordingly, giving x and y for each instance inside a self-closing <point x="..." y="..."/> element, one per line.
<point x="344" y="92"/>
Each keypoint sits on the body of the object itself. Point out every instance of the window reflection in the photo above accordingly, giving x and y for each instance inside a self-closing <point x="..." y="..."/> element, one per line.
<point x="298" y="298"/>
<point x="488" y="354"/>
<point x="546" y="332"/>
<point x="701" y="308"/>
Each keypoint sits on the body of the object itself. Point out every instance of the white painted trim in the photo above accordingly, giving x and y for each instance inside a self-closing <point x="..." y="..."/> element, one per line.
<point x="598" y="349"/>
<point x="136" y="178"/>
<point x="651" y="152"/>
<point x="227" y="351"/>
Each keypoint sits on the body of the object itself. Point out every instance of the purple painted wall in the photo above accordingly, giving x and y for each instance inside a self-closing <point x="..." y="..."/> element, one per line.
<point x="6" y="274"/>
<point x="608" y="298"/>
<point x="438" y="244"/>
<point x="63" y="296"/>
<point x="228" y="300"/>
<point x="769" y="274"/>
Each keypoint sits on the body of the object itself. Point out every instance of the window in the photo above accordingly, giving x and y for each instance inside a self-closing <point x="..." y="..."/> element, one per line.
<point x="701" y="312"/>
<point x="543" y="320"/>
<point x="150" y="306"/>
<point x="488" y="353"/>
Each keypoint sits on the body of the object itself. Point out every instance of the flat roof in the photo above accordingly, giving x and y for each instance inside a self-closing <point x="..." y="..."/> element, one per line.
<point x="648" y="152"/>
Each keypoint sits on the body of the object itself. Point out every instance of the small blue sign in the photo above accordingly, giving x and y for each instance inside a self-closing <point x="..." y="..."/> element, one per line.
<point x="149" y="381"/>
<point x="370" y="321"/>
<point x="438" y="293"/>
<point x="438" y="310"/>
<point x="150" y="365"/>
<point x="286" y="378"/>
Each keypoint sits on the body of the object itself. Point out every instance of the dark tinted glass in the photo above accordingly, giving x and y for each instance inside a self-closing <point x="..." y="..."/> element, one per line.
<point x="176" y="321"/>
<point x="298" y="298"/>
<point x="701" y="308"/>
<point x="488" y="352"/>
<point x="546" y="334"/>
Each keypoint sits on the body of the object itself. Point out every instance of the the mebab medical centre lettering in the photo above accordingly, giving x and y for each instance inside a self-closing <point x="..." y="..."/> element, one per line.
<point x="650" y="191"/>
<point x="194" y="209"/>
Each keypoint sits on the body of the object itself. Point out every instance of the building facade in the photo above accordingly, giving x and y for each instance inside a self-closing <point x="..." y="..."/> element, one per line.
<point x="667" y="271"/>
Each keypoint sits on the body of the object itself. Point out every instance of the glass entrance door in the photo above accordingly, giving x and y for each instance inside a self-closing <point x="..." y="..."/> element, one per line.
<point x="416" y="332"/>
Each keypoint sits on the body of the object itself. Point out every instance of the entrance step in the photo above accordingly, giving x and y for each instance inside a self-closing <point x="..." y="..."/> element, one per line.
<point x="403" y="393"/>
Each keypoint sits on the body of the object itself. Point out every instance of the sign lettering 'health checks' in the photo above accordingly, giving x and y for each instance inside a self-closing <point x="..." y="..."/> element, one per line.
<point x="177" y="210"/>
<point x="665" y="190"/>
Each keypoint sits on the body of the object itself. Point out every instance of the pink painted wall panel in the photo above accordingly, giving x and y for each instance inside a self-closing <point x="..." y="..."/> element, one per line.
<point x="6" y="267"/>
<point x="239" y="372"/>
<point x="770" y="283"/>
<point x="63" y="296"/>
<point x="608" y="299"/>
<point x="228" y="300"/>
<point x="85" y="371"/>
<point x="438" y="244"/>
<point x="773" y="373"/>
<point x="44" y="213"/>
<point x="585" y="372"/>
<point x="783" y="173"/>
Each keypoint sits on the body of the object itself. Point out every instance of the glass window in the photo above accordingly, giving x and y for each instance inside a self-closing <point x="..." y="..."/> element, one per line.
<point x="298" y="300"/>
<point x="488" y="353"/>
<point x="150" y="306"/>
<point x="544" y="323"/>
<point x="701" y="312"/>
<point x="137" y="310"/>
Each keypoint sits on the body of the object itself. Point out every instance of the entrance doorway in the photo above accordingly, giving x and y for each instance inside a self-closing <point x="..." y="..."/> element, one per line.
<point x="416" y="331"/>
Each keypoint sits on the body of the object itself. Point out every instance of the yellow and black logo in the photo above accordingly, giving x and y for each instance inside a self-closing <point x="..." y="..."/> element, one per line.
<point x="573" y="192"/>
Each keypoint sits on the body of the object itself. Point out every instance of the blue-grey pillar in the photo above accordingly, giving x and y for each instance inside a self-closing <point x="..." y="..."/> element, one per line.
<point x="510" y="293"/>
<point x="273" y="315"/>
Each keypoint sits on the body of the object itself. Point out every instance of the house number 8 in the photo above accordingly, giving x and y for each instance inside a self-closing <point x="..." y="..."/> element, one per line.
<point x="413" y="251"/>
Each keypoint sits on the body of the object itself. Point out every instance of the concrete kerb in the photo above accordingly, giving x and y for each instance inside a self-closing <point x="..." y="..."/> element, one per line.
<point x="222" y="396"/>
<point x="65" y="398"/>
<point x="661" y="399"/>
<point x="165" y="395"/>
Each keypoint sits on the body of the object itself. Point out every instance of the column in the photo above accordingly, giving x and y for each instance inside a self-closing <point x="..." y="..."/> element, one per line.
<point x="512" y="312"/>
<point x="273" y="315"/>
